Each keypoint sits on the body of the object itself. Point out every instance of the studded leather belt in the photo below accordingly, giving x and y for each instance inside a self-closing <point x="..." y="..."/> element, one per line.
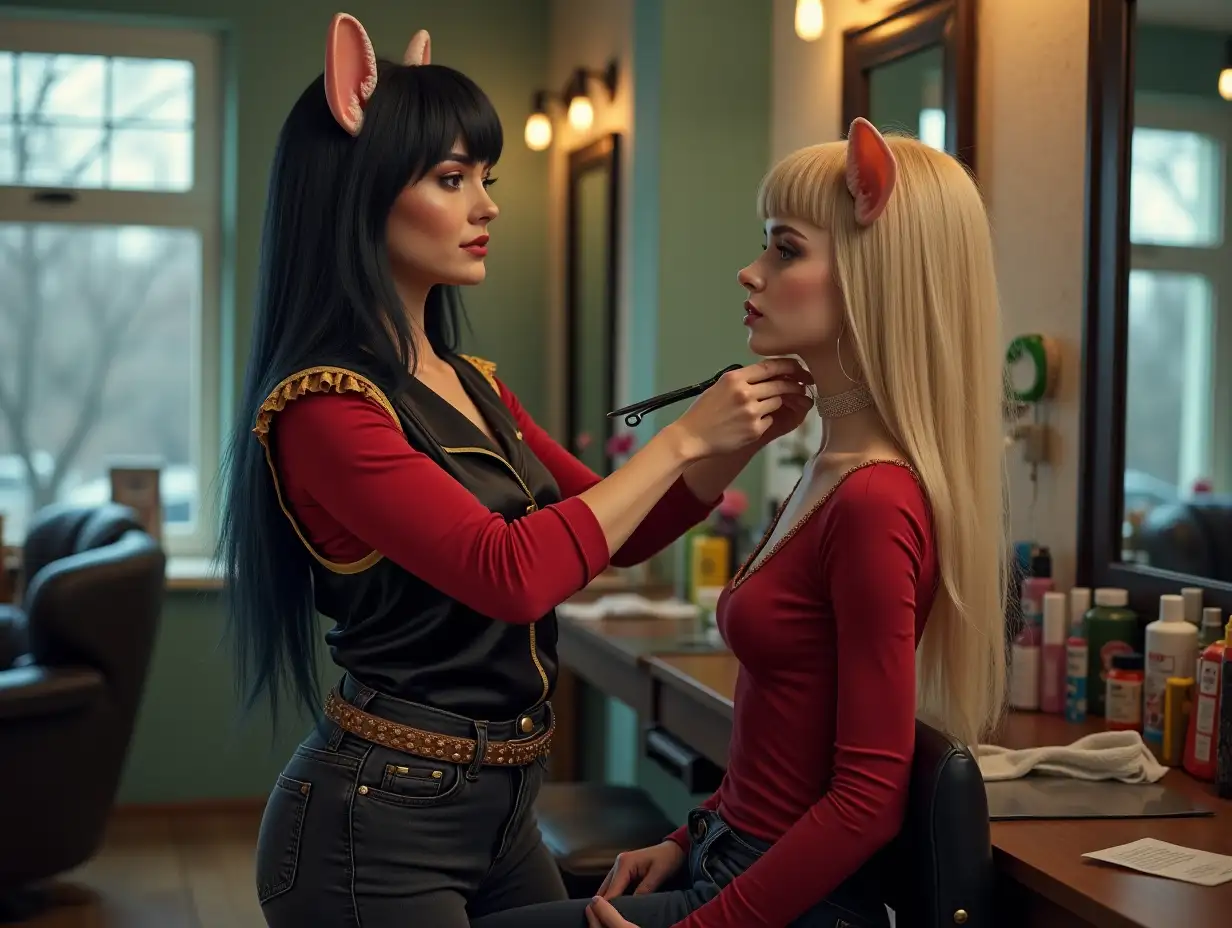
<point x="420" y="743"/>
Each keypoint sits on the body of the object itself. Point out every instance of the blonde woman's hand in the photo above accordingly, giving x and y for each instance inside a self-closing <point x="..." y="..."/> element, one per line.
<point x="741" y="407"/>
<point x="601" y="914"/>
<point x="645" y="868"/>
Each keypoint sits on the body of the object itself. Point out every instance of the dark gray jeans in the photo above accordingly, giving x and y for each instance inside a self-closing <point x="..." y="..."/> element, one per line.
<point x="717" y="856"/>
<point x="356" y="835"/>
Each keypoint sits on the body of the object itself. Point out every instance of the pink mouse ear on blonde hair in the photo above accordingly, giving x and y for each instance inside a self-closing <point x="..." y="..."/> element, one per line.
<point x="350" y="71"/>
<point x="419" y="51"/>
<point x="871" y="170"/>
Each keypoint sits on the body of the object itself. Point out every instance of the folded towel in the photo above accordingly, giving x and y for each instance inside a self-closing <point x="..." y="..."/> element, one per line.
<point x="628" y="604"/>
<point x="1104" y="755"/>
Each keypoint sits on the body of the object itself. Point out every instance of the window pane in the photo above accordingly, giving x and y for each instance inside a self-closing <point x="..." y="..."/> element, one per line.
<point x="61" y="156"/>
<point x="6" y="86"/>
<point x="1176" y="189"/>
<point x="61" y="88"/>
<point x="90" y="121"/>
<point x="1168" y="386"/>
<point x="151" y="160"/>
<point x="98" y="363"/>
<point x="932" y="128"/>
<point x="152" y="91"/>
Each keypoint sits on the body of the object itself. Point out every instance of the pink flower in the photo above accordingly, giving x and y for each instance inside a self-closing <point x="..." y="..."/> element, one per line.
<point x="733" y="504"/>
<point x="620" y="444"/>
<point x="582" y="442"/>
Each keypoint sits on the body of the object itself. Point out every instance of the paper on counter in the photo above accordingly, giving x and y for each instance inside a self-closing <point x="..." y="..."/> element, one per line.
<point x="628" y="604"/>
<point x="1169" y="860"/>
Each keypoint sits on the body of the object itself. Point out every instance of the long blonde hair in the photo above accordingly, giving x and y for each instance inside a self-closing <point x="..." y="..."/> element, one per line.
<point x="921" y="302"/>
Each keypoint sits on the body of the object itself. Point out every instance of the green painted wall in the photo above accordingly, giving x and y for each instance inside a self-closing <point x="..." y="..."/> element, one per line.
<point x="701" y="145"/>
<point x="189" y="742"/>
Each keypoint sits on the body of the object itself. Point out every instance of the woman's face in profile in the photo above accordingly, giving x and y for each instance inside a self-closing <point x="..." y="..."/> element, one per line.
<point x="794" y="304"/>
<point x="437" y="231"/>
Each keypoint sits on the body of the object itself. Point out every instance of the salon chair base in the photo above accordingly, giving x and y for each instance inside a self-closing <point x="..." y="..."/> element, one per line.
<point x="585" y="825"/>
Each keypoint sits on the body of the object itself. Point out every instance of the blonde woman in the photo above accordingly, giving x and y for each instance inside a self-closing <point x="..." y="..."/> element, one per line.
<point x="877" y="595"/>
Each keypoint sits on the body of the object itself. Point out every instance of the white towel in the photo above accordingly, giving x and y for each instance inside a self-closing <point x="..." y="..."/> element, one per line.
<point x="628" y="604"/>
<point x="1104" y="755"/>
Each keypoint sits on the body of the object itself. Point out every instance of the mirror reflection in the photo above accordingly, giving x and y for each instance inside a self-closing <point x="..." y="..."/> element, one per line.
<point x="906" y="95"/>
<point x="1178" y="452"/>
<point x="591" y="306"/>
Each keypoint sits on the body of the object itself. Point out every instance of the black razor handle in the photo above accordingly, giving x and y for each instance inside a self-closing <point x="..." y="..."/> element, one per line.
<point x="635" y="412"/>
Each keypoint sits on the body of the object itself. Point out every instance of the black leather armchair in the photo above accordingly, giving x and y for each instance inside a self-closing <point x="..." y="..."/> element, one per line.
<point x="73" y="666"/>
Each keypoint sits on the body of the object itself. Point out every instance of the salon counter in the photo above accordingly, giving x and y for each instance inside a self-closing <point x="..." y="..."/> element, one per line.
<point x="679" y="680"/>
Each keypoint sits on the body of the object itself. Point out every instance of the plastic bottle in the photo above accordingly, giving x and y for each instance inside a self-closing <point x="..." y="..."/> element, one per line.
<point x="1223" y="764"/>
<point x="1192" y="595"/>
<point x="1123" y="700"/>
<point x="1111" y="628"/>
<point x="1202" y="740"/>
<point x="1210" y="631"/>
<point x="1079" y="603"/>
<point x="1053" y="664"/>
<point x="1178" y="704"/>
<point x="1170" y="645"/>
<point x="1025" y="668"/>
<point x="1035" y="585"/>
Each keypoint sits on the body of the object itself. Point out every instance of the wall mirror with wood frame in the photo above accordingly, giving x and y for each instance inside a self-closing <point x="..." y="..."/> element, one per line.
<point x="914" y="72"/>
<point x="592" y="240"/>
<point x="1156" y="460"/>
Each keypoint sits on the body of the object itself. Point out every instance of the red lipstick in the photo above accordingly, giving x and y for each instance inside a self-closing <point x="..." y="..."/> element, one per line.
<point x="478" y="246"/>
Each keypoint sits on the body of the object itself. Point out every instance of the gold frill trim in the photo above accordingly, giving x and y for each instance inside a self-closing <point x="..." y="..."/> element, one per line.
<point x="485" y="367"/>
<point x="317" y="380"/>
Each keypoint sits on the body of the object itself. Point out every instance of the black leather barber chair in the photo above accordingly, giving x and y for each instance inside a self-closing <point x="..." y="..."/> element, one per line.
<point x="938" y="871"/>
<point x="585" y="825"/>
<point x="73" y="665"/>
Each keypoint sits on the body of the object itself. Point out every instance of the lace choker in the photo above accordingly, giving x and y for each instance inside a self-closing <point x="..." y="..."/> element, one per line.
<point x="842" y="404"/>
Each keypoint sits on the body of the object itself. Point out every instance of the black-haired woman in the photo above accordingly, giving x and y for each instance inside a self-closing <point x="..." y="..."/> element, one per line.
<point x="399" y="489"/>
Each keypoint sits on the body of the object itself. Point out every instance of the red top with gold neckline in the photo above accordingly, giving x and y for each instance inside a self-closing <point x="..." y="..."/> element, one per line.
<point x="825" y="630"/>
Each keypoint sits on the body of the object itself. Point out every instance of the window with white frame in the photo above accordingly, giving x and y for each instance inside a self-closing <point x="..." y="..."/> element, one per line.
<point x="110" y="151"/>
<point x="1180" y="301"/>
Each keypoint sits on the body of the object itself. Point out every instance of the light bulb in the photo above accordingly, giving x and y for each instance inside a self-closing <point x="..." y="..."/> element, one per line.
<point x="538" y="132"/>
<point x="1225" y="83"/>
<point x="810" y="19"/>
<point x="581" y="113"/>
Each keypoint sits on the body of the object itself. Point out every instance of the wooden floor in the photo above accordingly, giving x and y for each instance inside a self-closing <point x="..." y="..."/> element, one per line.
<point x="166" y="870"/>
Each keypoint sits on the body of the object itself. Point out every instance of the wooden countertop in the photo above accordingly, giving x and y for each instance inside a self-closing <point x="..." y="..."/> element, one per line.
<point x="1045" y="856"/>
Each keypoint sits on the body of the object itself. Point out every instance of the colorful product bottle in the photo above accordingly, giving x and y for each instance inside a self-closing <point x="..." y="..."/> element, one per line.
<point x="1223" y="765"/>
<point x="1178" y="704"/>
<point x="1203" y="738"/>
<point x="1053" y="665"/>
<point x="1170" y="645"/>
<point x="1076" y="656"/>
<point x="1123" y="699"/>
<point x="1210" y="631"/>
<point x="1111" y="629"/>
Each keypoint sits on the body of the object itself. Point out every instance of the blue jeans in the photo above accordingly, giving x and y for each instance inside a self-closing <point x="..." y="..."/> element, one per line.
<point x="717" y="855"/>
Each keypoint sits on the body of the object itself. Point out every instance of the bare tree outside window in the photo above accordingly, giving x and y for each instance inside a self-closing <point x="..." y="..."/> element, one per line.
<point x="99" y="323"/>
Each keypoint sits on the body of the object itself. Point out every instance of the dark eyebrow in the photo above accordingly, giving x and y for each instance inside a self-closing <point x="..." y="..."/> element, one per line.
<point x="460" y="158"/>
<point x="781" y="229"/>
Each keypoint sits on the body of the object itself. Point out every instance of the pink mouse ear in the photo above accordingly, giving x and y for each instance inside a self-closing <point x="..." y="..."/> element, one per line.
<point x="350" y="71"/>
<point x="871" y="170"/>
<point x="420" y="49"/>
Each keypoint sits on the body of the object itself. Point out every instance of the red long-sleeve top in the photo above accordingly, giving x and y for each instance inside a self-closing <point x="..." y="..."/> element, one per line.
<point x="824" y="722"/>
<point x="354" y="485"/>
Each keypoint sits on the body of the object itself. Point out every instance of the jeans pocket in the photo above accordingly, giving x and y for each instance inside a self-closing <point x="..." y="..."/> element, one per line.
<point x="278" y="841"/>
<point x="402" y="779"/>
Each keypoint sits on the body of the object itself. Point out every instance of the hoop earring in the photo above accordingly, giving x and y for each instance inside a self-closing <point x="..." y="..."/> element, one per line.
<point x="838" y="352"/>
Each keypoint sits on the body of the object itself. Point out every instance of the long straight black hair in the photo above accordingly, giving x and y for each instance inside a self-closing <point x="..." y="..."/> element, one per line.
<point x="325" y="294"/>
